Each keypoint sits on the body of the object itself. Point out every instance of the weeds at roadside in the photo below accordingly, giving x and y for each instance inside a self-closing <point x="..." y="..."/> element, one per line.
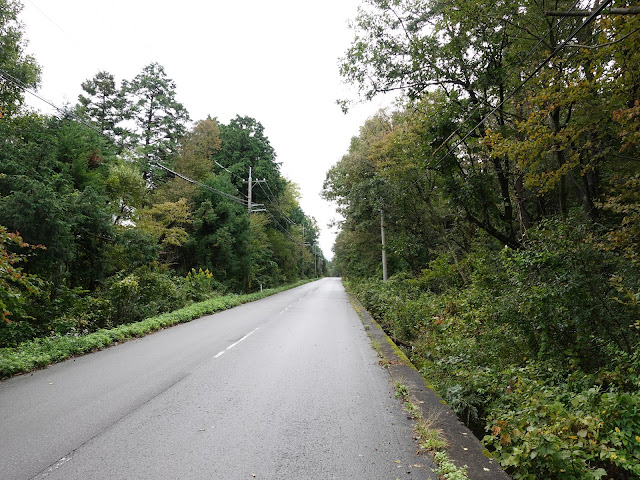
<point x="430" y="438"/>
<point x="42" y="352"/>
<point x="384" y="361"/>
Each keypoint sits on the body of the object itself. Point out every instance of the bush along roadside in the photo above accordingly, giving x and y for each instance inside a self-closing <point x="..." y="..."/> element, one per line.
<point x="42" y="352"/>
<point x="546" y="376"/>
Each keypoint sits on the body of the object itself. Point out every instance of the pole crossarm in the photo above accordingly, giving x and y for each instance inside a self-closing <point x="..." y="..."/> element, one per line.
<point x="250" y="205"/>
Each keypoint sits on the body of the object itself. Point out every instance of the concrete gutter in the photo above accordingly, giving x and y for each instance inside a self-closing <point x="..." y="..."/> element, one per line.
<point x="463" y="447"/>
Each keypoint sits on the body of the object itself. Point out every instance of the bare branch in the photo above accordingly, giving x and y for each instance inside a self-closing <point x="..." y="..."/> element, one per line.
<point x="593" y="47"/>
<point x="586" y="13"/>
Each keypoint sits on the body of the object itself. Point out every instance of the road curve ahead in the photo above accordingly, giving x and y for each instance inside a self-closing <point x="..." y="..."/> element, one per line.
<point x="287" y="387"/>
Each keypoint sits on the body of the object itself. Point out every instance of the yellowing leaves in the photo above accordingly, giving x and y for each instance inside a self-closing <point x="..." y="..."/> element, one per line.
<point x="166" y="222"/>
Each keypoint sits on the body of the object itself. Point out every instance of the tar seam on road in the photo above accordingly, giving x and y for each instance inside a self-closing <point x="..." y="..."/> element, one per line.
<point x="69" y="456"/>
<point x="219" y="354"/>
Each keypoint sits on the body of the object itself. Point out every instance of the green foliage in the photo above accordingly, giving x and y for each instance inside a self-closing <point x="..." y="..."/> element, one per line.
<point x="219" y="237"/>
<point x="200" y="285"/>
<point x="447" y="469"/>
<point x="14" y="282"/>
<point x="126" y="189"/>
<point x="14" y="60"/>
<point x="52" y="191"/>
<point x="160" y="119"/>
<point x="561" y="298"/>
<point x="564" y="429"/>
<point x="104" y="104"/>
<point x="41" y="352"/>
<point x="244" y="145"/>
<point x="132" y="248"/>
<point x="143" y="293"/>
<point x="559" y="405"/>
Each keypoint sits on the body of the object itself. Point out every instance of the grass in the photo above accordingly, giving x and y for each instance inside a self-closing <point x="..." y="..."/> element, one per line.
<point x="431" y="438"/>
<point x="41" y="352"/>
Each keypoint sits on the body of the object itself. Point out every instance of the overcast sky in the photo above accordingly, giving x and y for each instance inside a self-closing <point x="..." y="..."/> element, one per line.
<point x="273" y="60"/>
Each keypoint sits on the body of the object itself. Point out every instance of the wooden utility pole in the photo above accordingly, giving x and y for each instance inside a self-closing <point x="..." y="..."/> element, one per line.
<point x="249" y="192"/>
<point x="252" y="208"/>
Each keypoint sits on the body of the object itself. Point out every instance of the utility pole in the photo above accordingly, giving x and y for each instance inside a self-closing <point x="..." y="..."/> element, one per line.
<point x="251" y="207"/>
<point x="249" y="196"/>
<point x="315" y="259"/>
<point x="384" y="252"/>
<point x="302" y="252"/>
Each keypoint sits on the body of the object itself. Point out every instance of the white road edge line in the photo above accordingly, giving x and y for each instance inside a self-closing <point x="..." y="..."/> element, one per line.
<point x="219" y="354"/>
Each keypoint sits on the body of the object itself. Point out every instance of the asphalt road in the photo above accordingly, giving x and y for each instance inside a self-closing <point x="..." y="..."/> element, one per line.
<point x="287" y="387"/>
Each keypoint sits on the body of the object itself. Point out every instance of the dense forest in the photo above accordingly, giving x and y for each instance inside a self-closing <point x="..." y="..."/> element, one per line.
<point x="507" y="179"/>
<point x="121" y="207"/>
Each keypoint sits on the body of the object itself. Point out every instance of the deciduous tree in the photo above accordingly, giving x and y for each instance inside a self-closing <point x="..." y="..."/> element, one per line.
<point x="17" y="69"/>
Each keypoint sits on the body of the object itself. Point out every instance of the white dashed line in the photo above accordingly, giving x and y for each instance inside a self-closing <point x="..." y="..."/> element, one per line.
<point x="219" y="354"/>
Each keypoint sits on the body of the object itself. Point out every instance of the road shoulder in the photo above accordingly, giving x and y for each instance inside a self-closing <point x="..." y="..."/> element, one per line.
<point x="463" y="447"/>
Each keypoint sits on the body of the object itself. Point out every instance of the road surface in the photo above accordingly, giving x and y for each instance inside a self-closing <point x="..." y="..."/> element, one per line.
<point x="287" y="387"/>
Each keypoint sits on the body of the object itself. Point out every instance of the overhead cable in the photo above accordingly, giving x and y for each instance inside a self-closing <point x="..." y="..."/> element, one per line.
<point x="526" y="80"/>
<point x="274" y="204"/>
<point x="513" y="71"/>
<point x="206" y="187"/>
<point x="26" y="88"/>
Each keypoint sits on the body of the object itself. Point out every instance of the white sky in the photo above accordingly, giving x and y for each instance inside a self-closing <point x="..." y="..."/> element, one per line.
<point x="273" y="60"/>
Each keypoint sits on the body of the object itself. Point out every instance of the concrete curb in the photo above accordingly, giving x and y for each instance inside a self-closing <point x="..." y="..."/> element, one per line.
<point x="464" y="448"/>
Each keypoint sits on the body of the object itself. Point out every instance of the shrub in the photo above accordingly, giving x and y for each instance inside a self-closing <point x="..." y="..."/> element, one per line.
<point x="43" y="351"/>
<point x="200" y="285"/>
<point x="544" y="429"/>
<point x="537" y="349"/>
<point x="561" y="299"/>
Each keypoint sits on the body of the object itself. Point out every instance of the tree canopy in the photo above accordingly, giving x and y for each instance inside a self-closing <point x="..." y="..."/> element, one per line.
<point x="508" y="177"/>
<point x="17" y="69"/>
<point x="133" y="208"/>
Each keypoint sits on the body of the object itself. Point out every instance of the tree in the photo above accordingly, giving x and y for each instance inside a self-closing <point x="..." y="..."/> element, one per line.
<point x="167" y="222"/>
<point x="104" y="105"/>
<point x="219" y="236"/>
<point x="126" y="190"/>
<point x="244" y="145"/>
<point x="194" y="160"/>
<point x="52" y="190"/>
<point x="419" y="46"/>
<point x="13" y="280"/>
<point x="159" y="117"/>
<point x="17" y="69"/>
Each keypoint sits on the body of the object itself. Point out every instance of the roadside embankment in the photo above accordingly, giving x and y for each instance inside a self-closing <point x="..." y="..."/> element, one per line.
<point x="462" y="447"/>
<point x="41" y="352"/>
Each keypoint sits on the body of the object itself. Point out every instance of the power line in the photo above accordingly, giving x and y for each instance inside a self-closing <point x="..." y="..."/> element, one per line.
<point x="283" y="229"/>
<point x="269" y="188"/>
<point x="227" y="170"/>
<point x="525" y="81"/>
<point x="513" y="71"/>
<point x="282" y="214"/>
<point x="47" y="17"/>
<point x="274" y="204"/>
<point x="202" y="185"/>
<point x="26" y="88"/>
